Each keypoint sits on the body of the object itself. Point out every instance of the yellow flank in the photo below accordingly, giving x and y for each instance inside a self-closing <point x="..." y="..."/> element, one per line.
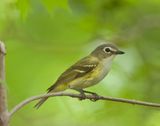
<point x="88" y="80"/>
<point x="93" y="77"/>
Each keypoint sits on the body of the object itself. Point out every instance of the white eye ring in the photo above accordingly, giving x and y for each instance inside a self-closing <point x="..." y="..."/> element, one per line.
<point x="107" y="50"/>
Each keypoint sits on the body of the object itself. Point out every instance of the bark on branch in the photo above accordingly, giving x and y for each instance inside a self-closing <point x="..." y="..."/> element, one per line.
<point x="90" y="97"/>
<point x="3" y="105"/>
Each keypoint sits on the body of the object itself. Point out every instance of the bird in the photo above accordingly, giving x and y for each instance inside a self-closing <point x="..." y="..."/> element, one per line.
<point x="86" y="72"/>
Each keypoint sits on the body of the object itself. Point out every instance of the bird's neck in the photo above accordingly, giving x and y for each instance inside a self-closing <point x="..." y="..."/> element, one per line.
<point x="107" y="62"/>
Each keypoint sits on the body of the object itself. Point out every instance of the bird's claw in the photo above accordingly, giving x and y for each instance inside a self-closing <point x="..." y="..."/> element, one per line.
<point x="82" y="96"/>
<point x="95" y="97"/>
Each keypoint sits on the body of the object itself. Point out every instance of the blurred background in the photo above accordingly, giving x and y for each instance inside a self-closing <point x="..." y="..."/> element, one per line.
<point x="44" y="37"/>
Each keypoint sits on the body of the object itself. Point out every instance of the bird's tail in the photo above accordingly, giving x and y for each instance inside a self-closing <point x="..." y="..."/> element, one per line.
<point x="40" y="102"/>
<point x="53" y="88"/>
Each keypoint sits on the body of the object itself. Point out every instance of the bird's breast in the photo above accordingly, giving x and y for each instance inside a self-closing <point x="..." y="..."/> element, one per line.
<point x="99" y="72"/>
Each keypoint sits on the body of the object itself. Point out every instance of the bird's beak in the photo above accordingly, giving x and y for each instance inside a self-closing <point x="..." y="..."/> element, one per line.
<point x="119" y="52"/>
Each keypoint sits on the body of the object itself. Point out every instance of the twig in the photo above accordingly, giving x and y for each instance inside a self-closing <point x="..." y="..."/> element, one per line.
<point x="91" y="97"/>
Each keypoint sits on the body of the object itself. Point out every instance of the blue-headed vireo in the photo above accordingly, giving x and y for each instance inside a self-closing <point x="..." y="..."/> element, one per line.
<point x="86" y="72"/>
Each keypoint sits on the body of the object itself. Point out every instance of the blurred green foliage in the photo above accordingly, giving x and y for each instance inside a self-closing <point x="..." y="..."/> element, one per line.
<point x="44" y="37"/>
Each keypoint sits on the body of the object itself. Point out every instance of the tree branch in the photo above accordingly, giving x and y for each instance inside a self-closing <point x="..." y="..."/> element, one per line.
<point x="3" y="105"/>
<point x="90" y="97"/>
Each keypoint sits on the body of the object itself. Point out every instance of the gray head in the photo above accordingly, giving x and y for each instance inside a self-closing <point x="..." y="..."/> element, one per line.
<point x="106" y="50"/>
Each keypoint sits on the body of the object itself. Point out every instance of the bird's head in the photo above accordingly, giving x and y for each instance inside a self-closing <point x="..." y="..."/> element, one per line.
<point x="106" y="51"/>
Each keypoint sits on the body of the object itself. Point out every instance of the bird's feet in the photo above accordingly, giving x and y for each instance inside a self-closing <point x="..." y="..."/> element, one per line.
<point x="95" y="95"/>
<point x="82" y="96"/>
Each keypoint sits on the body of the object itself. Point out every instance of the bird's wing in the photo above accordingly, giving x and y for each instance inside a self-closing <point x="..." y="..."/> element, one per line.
<point x="79" y="69"/>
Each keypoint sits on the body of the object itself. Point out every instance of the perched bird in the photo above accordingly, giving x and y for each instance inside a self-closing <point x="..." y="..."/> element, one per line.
<point x="86" y="72"/>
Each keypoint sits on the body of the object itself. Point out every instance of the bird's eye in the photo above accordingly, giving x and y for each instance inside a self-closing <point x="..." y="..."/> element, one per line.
<point x="107" y="50"/>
